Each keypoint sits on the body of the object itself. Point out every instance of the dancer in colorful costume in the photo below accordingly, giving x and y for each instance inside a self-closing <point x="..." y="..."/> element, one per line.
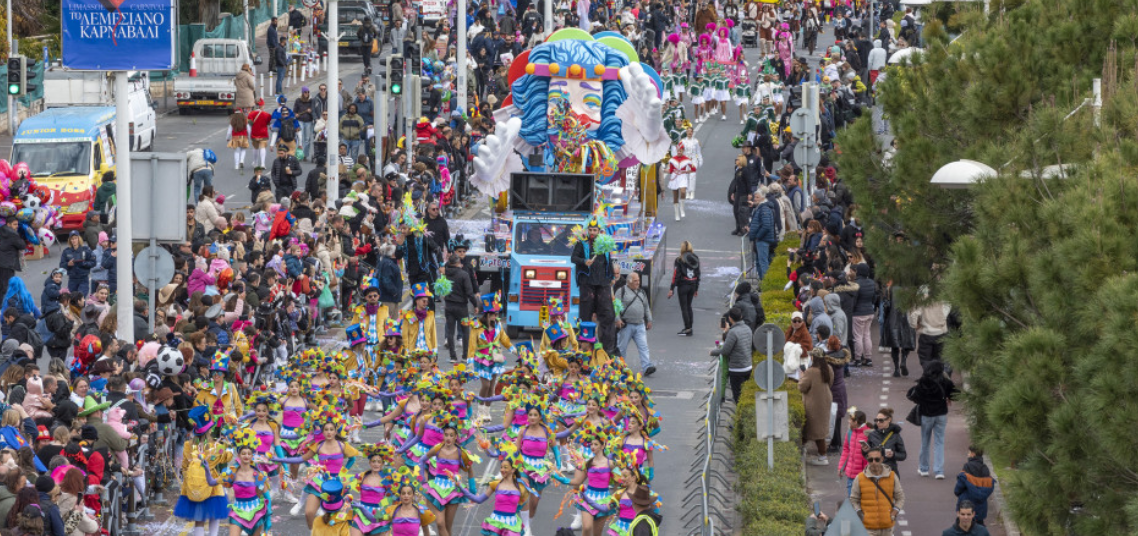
<point x="251" y="510"/>
<point x="486" y="359"/>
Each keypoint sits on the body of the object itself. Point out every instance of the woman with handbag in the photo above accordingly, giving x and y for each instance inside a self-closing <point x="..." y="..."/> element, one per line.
<point x="932" y="394"/>
<point x="816" y="397"/>
<point x="886" y="434"/>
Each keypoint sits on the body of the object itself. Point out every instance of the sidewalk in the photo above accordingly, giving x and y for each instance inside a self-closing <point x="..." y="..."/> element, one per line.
<point x="930" y="505"/>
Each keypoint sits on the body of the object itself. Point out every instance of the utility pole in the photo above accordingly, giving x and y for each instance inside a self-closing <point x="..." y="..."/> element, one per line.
<point x="123" y="225"/>
<point x="460" y="91"/>
<point x="12" y="113"/>
<point x="333" y="83"/>
<point x="548" y="4"/>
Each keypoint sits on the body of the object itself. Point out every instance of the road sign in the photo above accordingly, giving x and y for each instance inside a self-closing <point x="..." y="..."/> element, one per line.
<point x="759" y="339"/>
<point x="771" y="377"/>
<point x="154" y="263"/>
<point x="102" y="35"/>
<point x="159" y="191"/>
<point x="801" y="123"/>
<point x="807" y="154"/>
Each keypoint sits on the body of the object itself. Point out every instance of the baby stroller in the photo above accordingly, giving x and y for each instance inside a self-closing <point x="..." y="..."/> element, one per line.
<point x="750" y="34"/>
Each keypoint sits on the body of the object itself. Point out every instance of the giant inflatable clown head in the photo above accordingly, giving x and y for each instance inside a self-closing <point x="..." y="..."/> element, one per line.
<point x="584" y="103"/>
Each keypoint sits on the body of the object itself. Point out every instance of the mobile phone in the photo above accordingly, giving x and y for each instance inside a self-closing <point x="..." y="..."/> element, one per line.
<point x="817" y="508"/>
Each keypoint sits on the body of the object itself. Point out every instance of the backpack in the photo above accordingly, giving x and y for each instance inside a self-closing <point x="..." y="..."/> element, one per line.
<point x="195" y="486"/>
<point x="287" y="132"/>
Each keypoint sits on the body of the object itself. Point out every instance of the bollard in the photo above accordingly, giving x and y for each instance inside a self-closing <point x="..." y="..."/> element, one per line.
<point x="325" y="68"/>
<point x="303" y="69"/>
<point x="272" y="87"/>
<point x="261" y="83"/>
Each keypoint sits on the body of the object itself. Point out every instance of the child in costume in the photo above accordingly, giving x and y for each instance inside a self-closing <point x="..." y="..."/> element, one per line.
<point x="251" y="510"/>
<point x="405" y="516"/>
<point x="292" y="421"/>
<point x="557" y="317"/>
<point x="335" y="514"/>
<point x="219" y="395"/>
<point x="332" y="455"/>
<point x="372" y="486"/>
<point x="592" y="483"/>
<point x="511" y="496"/>
<point x="444" y="462"/>
<point x="635" y="494"/>
<point x="682" y="168"/>
<point x="419" y="323"/>
<point x="595" y="354"/>
<point x="486" y="360"/>
<point x="267" y="433"/>
<point x="202" y="499"/>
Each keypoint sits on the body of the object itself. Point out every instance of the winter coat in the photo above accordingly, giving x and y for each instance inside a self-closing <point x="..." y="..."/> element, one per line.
<point x="818" y="317"/>
<point x="752" y="308"/>
<point x="246" y="90"/>
<point x="11" y="249"/>
<point x="838" y="360"/>
<point x="207" y="211"/>
<point x="84" y="260"/>
<point x="52" y="521"/>
<point x="975" y="484"/>
<point x="853" y="461"/>
<point x="932" y="393"/>
<point x="897" y="333"/>
<point x="462" y="291"/>
<point x="866" y="292"/>
<point x="103" y="196"/>
<point x="7" y="499"/>
<point x="109" y="263"/>
<point x="198" y="281"/>
<point x="763" y="225"/>
<point x="685" y="271"/>
<point x="390" y="281"/>
<point x="816" y="398"/>
<point x="801" y="336"/>
<point x="889" y="439"/>
<point x="736" y="347"/>
<point x="839" y="323"/>
<point x="49" y="298"/>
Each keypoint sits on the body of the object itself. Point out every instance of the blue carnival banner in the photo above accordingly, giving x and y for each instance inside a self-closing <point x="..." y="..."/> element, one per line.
<point x="118" y="35"/>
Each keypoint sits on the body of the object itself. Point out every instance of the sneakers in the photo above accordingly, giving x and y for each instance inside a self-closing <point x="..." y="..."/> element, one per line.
<point x="649" y="371"/>
<point x="939" y="476"/>
<point x="922" y="473"/>
<point x="896" y="373"/>
<point x="904" y="370"/>
<point x="723" y="117"/>
<point x="576" y="524"/>
<point x="295" y="510"/>
<point x="820" y="460"/>
<point x="289" y="497"/>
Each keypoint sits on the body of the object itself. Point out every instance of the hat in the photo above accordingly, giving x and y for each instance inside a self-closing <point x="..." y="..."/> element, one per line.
<point x="355" y="334"/>
<point x="90" y="405"/>
<point x="214" y="311"/>
<point x="556" y="307"/>
<point x="102" y="236"/>
<point x="796" y="314"/>
<point x="391" y="328"/>
<point x="555" y="332"/>
<point x="332" y="495"/>
<point x="74" y="233"/>
<point x="220" y="361"/>
<point x="8" y="348"/>
<point x="304" y="89"/>
<point x="491" y="303"/>
<point x="421" y="290"/>
<point x="166" y="293"/>
<point x="89" y="433"/>
<point x="43" y="434"/>
<point x="200" y="418"/>
<point x="260" y="102"/>
<point x="587" y="331"/>
<point x="44" y="484"/>
<point x="642" y="497"/>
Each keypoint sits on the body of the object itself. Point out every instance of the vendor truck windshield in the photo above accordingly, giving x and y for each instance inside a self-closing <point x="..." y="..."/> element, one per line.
<point x="63" y="158"/>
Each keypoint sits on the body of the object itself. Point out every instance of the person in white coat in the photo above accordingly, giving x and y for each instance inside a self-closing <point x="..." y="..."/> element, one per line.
<point x="876" y="61"/>
<point x="687" y="159"/>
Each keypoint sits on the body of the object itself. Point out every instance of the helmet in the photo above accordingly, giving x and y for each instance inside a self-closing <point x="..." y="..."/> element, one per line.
<point x="209" y="156"/>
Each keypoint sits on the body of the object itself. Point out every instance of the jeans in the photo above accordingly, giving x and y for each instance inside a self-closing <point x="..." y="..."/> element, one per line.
<point x="598" y="299"/>
<point x="929" y="349"/>
<point x="202" y="178"/>
<point x="762" y="258"/>
<point x="933" y="427"/>
<point x="687" y="295"/>
<point x="280" y="79"/>
<point x="737" y="379"/>
<point x="862" y="327"/>
<point x="306" y="133"/>
<point x="353" y="147"/>
<point x="638" y="333"/>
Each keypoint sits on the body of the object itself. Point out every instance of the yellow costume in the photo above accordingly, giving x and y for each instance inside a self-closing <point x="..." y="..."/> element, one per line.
<point x="413" y="327"/>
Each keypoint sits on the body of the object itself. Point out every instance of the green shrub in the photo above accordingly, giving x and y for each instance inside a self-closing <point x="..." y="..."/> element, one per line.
<point x="772" y="502"/>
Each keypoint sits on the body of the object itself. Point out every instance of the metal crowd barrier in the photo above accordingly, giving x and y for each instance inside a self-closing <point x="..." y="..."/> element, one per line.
<point x="707" y="507"/>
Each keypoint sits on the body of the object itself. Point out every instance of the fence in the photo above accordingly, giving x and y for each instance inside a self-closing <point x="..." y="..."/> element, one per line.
<point x="706" y="506"/>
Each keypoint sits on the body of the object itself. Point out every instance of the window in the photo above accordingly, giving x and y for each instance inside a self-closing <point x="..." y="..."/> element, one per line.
<point x="207" y="51"/>
<point x="65" y="158"/>
<point x="230" y="51"/>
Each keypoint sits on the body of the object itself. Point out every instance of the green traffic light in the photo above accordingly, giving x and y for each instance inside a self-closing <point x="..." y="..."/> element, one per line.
<point x="396" y="89"/>
<point x="13" y="89"/>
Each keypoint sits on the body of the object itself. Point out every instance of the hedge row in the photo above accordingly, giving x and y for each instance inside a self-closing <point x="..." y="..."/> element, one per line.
<point x="772" y="503"/>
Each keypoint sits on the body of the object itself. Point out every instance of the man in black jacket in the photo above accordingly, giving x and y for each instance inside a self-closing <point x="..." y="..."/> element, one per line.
<point x="314" y="184"/>
<point x="11" y="250"/>
<point x="21" y="327"/>
<point x="280" y="61"/>
<point x="60" y="326"/>
<point x="462" y="292"/>
<point x="594" y="280"/>
<point x="285" y="170"/>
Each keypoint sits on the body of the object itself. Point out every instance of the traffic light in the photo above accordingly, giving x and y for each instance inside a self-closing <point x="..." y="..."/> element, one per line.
<point x="28" y="75"/>
<point x="415" y="56"/>
<point x="395" y="74"/>
<point x="15" y="75"/>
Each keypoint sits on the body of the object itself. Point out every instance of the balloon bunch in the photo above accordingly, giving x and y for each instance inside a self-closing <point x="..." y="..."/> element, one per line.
<point x="28" y="202"/>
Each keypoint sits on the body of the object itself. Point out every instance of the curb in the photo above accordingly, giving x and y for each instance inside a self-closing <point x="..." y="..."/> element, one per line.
<point x="1010" y="526"/>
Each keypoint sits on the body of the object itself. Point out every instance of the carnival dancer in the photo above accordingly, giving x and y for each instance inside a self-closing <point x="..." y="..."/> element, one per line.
<point x="335" y="514"/>
<point x="511" y="496"/>
<point x="202" y="498"/>
<point x="425" y="430"/>
<point x="332" y="455"/>
<point x="218" y="394"/>
<point x="594" y="352"/>
<point x="486" y="359"/>
<point x="674" y="119"/>
<point x="267" y="432"/>
<point x="294" y="407"/>
<point x="443" y="463"/>
<point x="407" y="517"/>
<point x="535" y="443"/>
<point x="633" y="498"/>
<point x="419" y="323"/>
<point x="634" y="440"/>
<point x="557" y="316"/>
<point x="591" y="482"/>
<point x="639" y="396"/>
<point x="682" y="168"/>
<point x="251" y="510"/>
<point x="372" y="487"/>
<point x="371" y="318"/>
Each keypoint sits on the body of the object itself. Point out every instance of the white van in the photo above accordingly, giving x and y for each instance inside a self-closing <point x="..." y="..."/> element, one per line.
<point x="64" y="88"/>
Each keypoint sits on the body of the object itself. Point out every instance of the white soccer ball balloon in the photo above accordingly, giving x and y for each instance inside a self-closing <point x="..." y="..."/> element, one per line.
<point x="170" y="361"/>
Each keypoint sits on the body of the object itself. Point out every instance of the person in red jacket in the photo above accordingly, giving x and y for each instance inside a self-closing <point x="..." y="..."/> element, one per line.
<point x="259" y="121"/>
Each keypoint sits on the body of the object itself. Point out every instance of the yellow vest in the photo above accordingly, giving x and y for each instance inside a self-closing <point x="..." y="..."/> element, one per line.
<point x="877" y="508"/>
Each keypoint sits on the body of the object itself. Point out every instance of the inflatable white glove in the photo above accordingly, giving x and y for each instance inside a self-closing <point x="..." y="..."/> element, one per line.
<point x="495" y="152"/>
<point x="643" y="98"/>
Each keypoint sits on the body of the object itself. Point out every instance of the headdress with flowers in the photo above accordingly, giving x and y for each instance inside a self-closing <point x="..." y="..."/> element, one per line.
<point x="264" y="397"/>
<point x="383" y="450"/>
<point x="324" y="414"/>
<point x="244" y="437"/>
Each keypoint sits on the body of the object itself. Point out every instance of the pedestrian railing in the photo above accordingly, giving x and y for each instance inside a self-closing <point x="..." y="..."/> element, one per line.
<point x="708" y="504"/>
